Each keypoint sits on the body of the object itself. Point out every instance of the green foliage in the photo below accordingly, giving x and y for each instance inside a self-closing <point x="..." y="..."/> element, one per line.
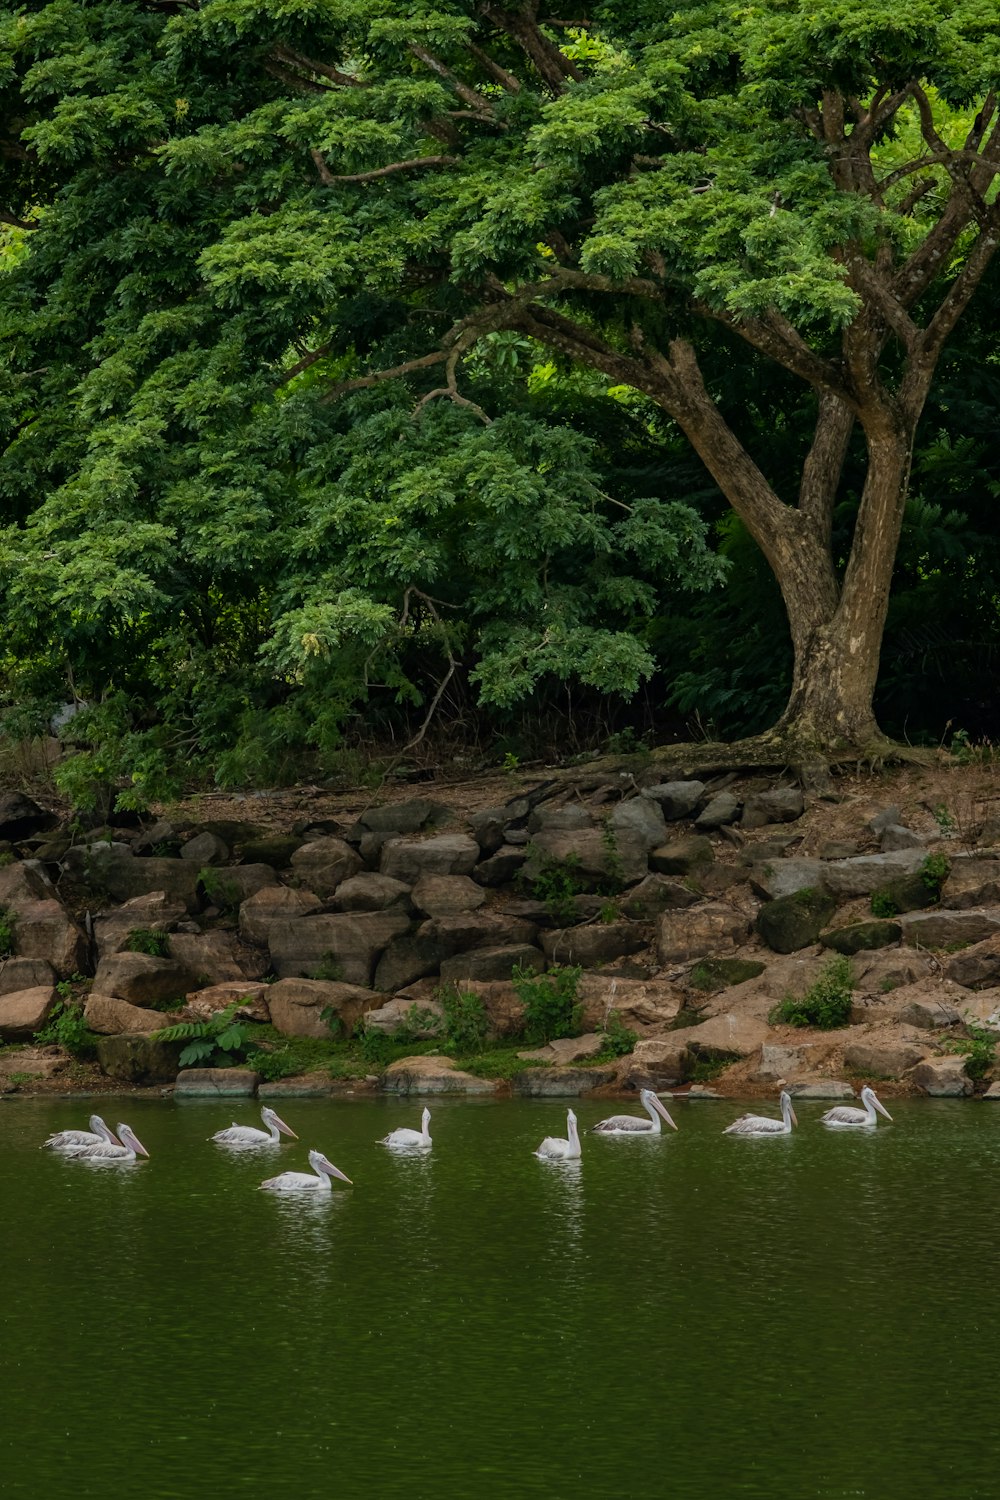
<point x="66" y="1027"/>
<point x="619" y="1039"/>
<point x="551" y="1006"/>
<point x="978" y="1047"/>
<point x="216" y="1042"/>
<point x="501" y="1063"/>
<point x="329" y="968"/>
<point x="147" y="940"/>
<point x="882" y="904"/>
<point x="826" y="1004"/>
<point x="466" y="1024"/>
<point x="7" y="857"/>
<point x="934" y="872"/>
<point x="555" y="883"/>
<point x="8" y="931"/>
<point x="221" y="889"/>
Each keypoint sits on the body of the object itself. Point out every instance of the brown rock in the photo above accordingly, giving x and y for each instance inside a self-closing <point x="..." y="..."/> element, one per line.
<point x="930" y="1012"/>
<point x="296" y="1006"/>
<point x="683" y="856"/>
<point x="229" y="886"/>
<point x="135" y="1058"/>
<point x="25" y="974"/>
<point x="250" y="993"/>
<point x="118" y="875"/>
<point x="886" y="1059"/>
<point x="446" y="895"/>
<point x="491" y="963"/>
<point x="368" y="892"/>
<point x="324" y="864"/>
<point x="978" y="967"/>
<point x="421" y="1019"/>
<point x="24" y="1012"/>
<point x="447" y="854"/>
<point x="598" y="944"/>
<point x="475" y="929"/>
<point x="432" y="1075"/>
<point x="211" y="956"/>
<point x="972" y="882"/>
<point x="108" y="1016"/>
<point x="349" y="943"/>
<point x="44" y="930"/>
<point x="728" y="1035"/>
<point x="142" y="979"/>
<point x="657" y="1063"/>
<point x="273" y="903"/>
<point x="656" y="894"/>
<point x="595" y="860"/>
<point x="567" y="1049"/>
<point x="943" y="1077"/>
<point x="154" y="912"/>
<point x="561" y="1082"/>
<point x="637" y="1002"/>
<point x="942" y="929"/>
<point x="216" y="1083"/>
<point x="699" y="932"/>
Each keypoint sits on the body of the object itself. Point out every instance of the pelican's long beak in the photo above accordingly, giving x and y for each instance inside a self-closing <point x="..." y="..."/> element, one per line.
<point x="661" y="1110"/>
<point x="138" y="1146"/>
<point x="882" y="1109"/>
<point x="795" y="1118"/>
<point x="285" y="1129"/>
<point x="333" y="1171"/>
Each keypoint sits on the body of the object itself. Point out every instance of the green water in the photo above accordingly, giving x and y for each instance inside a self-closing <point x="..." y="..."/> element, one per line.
<point x="685" y="1316"/>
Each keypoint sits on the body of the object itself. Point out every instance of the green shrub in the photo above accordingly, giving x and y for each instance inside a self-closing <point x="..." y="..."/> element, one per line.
<point x="215" y="1043"/>
<point x="551" y="1007"/>
<point x="619" y="1039"/>
<point x="466" y="1024"/>
<point x="67" y="1028"/>
<point x="978" y="1048"/>
<point x="221" y="889"/>
<point x="8" y="932"/>
<point x="145" y="940"/>
<point x="826" y="1005"/>
<point x="555" y="884"/>
<point x="882" y="905"/>
<point x="934" y="872"/>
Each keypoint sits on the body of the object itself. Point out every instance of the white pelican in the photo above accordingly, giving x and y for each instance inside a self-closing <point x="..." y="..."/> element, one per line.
<point x="421" y="1137"/>
<point x="554" y="1148"/>
<point x="64" y="1140"/>
<point x="846" y="1117"/>
<point x="635" y="1124"/>
<point x="763" y="1124"/>
<point x="249" y="1135"/>
<point x="127" y="1150"/>
<point x="303" y="1182"/>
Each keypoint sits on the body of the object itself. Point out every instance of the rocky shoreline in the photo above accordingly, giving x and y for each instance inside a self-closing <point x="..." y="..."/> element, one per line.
<point x="693" y="910"/>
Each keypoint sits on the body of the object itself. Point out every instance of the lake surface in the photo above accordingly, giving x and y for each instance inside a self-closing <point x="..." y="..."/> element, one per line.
<point x="685" y="1316"/>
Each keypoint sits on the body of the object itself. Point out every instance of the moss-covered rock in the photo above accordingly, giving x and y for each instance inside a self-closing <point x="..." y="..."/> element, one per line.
<point x="860" y="937"/>
<point x="131" y="1058"/>
<point x="713" y="974"/>
<point x="796" y="921"/>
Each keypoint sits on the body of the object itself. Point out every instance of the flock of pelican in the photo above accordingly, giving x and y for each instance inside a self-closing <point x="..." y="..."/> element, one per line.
<point x="101" y="1144"/>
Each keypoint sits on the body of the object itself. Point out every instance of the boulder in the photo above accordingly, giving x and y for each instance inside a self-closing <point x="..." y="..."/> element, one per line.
<point x="410" y="816"/>
<point x="566" y="1050"/>
<point x="115" y="874"/>
<point x="640" y="818"/>
<point x="445" y="895"/>
<point x="783" y="805"/>
<point x="821" y="1088"/>
<point x="211" y="956"/>
<point x="347" y="945"/>
<point x="154" y="912"/>
<point x="792" y="922"/>
<point x="43" y="929"/>
<point x="492" y="963"/>
<point x="297" y="1007"/>
<point x="502" y="865"/>
<point x="730" y="1035"/>
<point x="566" y="817"/>
<point x="636" y="1002"/>
<point x="25" y="974"/>
<point x="477" y="929"/>
<point x="432" y="1075"/>
<point x="929" y="1012"/>
<point x="273" y="903"/>
<point x="721" y="809"/>
<point x="312" y="1086"/>
<point x="847" y="878"/>
<point x="993" y="1092"/>
<point x="599" y="944"/>
<point x="886" y="971"/>
<point x="21" y="816"/>
<point x="686" y="856"/>
<point x="216" y="1083"/>
<point x="861" y="937"/>
<point x="38" y="1062"/>
<point x="656" y="894"/>
<point x="421" y="1020"/>
<point x="276" y="850"/>
<point x="229" y="886"/>
<point x="24" y="882"/>
<point x="948" y="929"/>
<point x="251" y="995"/>
<point x="710" y="975"/>
<point x="370" y="892"/>
<point x="771" y="880"/>
<point x="943" y="1077"/>
<point x="501" y="1002"/>
<point x="699" y="932"/>
<point x="676" y="799"/>
<point x="887" y="1058"/>
<point x="595" y="861"/>
<point x="886" y="817"/>
<point x="142" y="979"/>
<point x="205" y="849"/>
<point x="895" y="836"/>
<point x="323" y="864"/>
<point x="787" y="1062"/>
<point x="23" y="1012"/>
<point x="447" y="854"/>
<point x="488" y="826"/>
<point x="407" y="959"/>
<point x="108" y="1016"/>
<point x="657" y="1063"/>
<point x="133" y="1058"/>
<point x="978" y="967"/>
<point x="561" y="1082"/>
<point x="905" y="893"/>
<point x="972" y="882"/>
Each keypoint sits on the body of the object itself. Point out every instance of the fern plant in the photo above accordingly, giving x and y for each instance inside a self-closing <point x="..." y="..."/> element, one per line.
<point x="216" y="1042"/>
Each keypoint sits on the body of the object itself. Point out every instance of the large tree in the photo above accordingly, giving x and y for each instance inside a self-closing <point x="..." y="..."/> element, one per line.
<point x="362" y="191"/>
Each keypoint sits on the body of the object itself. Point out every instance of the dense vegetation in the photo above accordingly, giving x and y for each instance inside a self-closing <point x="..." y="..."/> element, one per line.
<point x="374" y="367"/>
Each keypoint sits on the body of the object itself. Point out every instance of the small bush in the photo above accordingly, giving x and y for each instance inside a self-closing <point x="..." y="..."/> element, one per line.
<point x="619" y="1039"/>
<point x="978" y="1048"/>
<point x="466" y="1024"/>
<point x="329" y="968"/>
<point x="934" y="872"/>
<point x="882" y="905"/>
<point x="67" y="1028"/>
<point x="221" y="890"/>
<point x="555" y="884"/>
<point x="551" y="1007"/>
<point x="826" y="1005"/>
<point x="215" y="1043"/>
<point x="8" y="932"/>
<point x="145" y="940"/>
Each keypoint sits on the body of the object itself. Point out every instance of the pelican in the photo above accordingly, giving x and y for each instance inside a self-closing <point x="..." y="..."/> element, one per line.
<point x="635" y="1124"/>
<point x="127" y="1149"/>
<point x="421" y="1137"/>
<point x="65" y="1140"/>
<point x="763" y="1124"/>
<point x="846" y="1117"/>
<point x="302" y="1182"/>
<point x="554" y="1148"/>
<point x="249" y="1135"/>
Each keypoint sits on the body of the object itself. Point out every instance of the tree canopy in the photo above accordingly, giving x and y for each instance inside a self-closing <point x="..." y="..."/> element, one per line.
<point x="340" y="334"/>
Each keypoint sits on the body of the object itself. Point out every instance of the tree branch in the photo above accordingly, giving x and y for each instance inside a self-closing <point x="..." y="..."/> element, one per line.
<point x="15" y="222"/>
<point x="361" y="382"/>
<point x="324" y="70"/>
<point x="480" y="105"/>
<point x="496" y="72"/>
<point x="396" y="166"/>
